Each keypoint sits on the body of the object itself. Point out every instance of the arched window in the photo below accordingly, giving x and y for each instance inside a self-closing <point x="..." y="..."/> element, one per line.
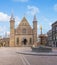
<point x="24" y="30"/>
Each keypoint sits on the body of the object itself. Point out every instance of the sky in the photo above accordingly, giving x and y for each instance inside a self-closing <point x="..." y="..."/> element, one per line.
<point x="45" y="11"/>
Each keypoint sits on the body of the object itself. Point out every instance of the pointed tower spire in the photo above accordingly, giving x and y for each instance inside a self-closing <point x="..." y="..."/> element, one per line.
<point x="12" y="31"/>
<point x="12" y="16"/>
<point x="34" y="18"/>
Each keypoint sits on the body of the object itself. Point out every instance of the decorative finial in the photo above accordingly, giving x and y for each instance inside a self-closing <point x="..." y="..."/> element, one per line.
<point x="41" y="28"/>
<point x="35" y="18"/>
<point x="12" y="16"/>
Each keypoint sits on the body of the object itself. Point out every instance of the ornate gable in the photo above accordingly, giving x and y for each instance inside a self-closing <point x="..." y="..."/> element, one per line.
<point x="23" y="25"/>
<point x="24" y="22"/>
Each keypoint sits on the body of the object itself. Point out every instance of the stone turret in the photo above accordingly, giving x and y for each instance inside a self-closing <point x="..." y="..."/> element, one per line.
<point x="35" y="30"/>
<point x="12" y="31"/>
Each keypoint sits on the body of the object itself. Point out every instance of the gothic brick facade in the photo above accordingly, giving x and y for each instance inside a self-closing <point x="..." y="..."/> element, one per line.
<point x="24" y="34"/>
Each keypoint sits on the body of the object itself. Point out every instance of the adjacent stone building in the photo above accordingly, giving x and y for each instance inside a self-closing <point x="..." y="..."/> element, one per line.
<point x="49" y="33"/>
<point x="54" y="34"/>
<point x="4" y="42"/>
<point x="23" y="35"/>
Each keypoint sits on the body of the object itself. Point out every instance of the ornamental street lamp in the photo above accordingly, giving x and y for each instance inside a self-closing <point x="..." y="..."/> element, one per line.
<point x="41" y="35"/>
<point x="41" y="29"/>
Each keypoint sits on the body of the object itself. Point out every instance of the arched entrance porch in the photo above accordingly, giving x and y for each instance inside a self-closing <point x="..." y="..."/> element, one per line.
<point x="24" y="41"/>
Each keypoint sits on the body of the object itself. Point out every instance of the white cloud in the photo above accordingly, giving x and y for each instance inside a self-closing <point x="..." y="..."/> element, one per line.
<point x="45" y="19"/>
<point x="8" y="33"/>
<point x="21" y="0"/>
<point x="38" y="26"/>
<point x="3" y="29"/>
<point x="32" y="10"/>
<point x="55" y="7"/>
<point x="4" y="17"/>
<point x="50" y="23"/>
<point x="17" y="21"/>
<point x="4" y="32"/>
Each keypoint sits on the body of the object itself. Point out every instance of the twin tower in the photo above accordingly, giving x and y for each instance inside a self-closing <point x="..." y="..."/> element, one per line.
<point x="23" y="34"/>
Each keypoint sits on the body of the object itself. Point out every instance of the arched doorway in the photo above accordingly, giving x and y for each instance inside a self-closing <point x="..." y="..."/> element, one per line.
<point x="24" y="41"/>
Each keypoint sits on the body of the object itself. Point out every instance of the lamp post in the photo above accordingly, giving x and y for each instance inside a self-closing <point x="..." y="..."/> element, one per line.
<point x="41" y="34"/>
<point x="41" y="29"/>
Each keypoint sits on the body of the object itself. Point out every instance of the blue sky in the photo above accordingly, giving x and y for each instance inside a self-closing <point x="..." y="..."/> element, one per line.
<point x="45" y="10"/>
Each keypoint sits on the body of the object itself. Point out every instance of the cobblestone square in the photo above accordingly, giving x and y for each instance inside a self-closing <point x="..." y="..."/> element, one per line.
<point x="8" y="56"/>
